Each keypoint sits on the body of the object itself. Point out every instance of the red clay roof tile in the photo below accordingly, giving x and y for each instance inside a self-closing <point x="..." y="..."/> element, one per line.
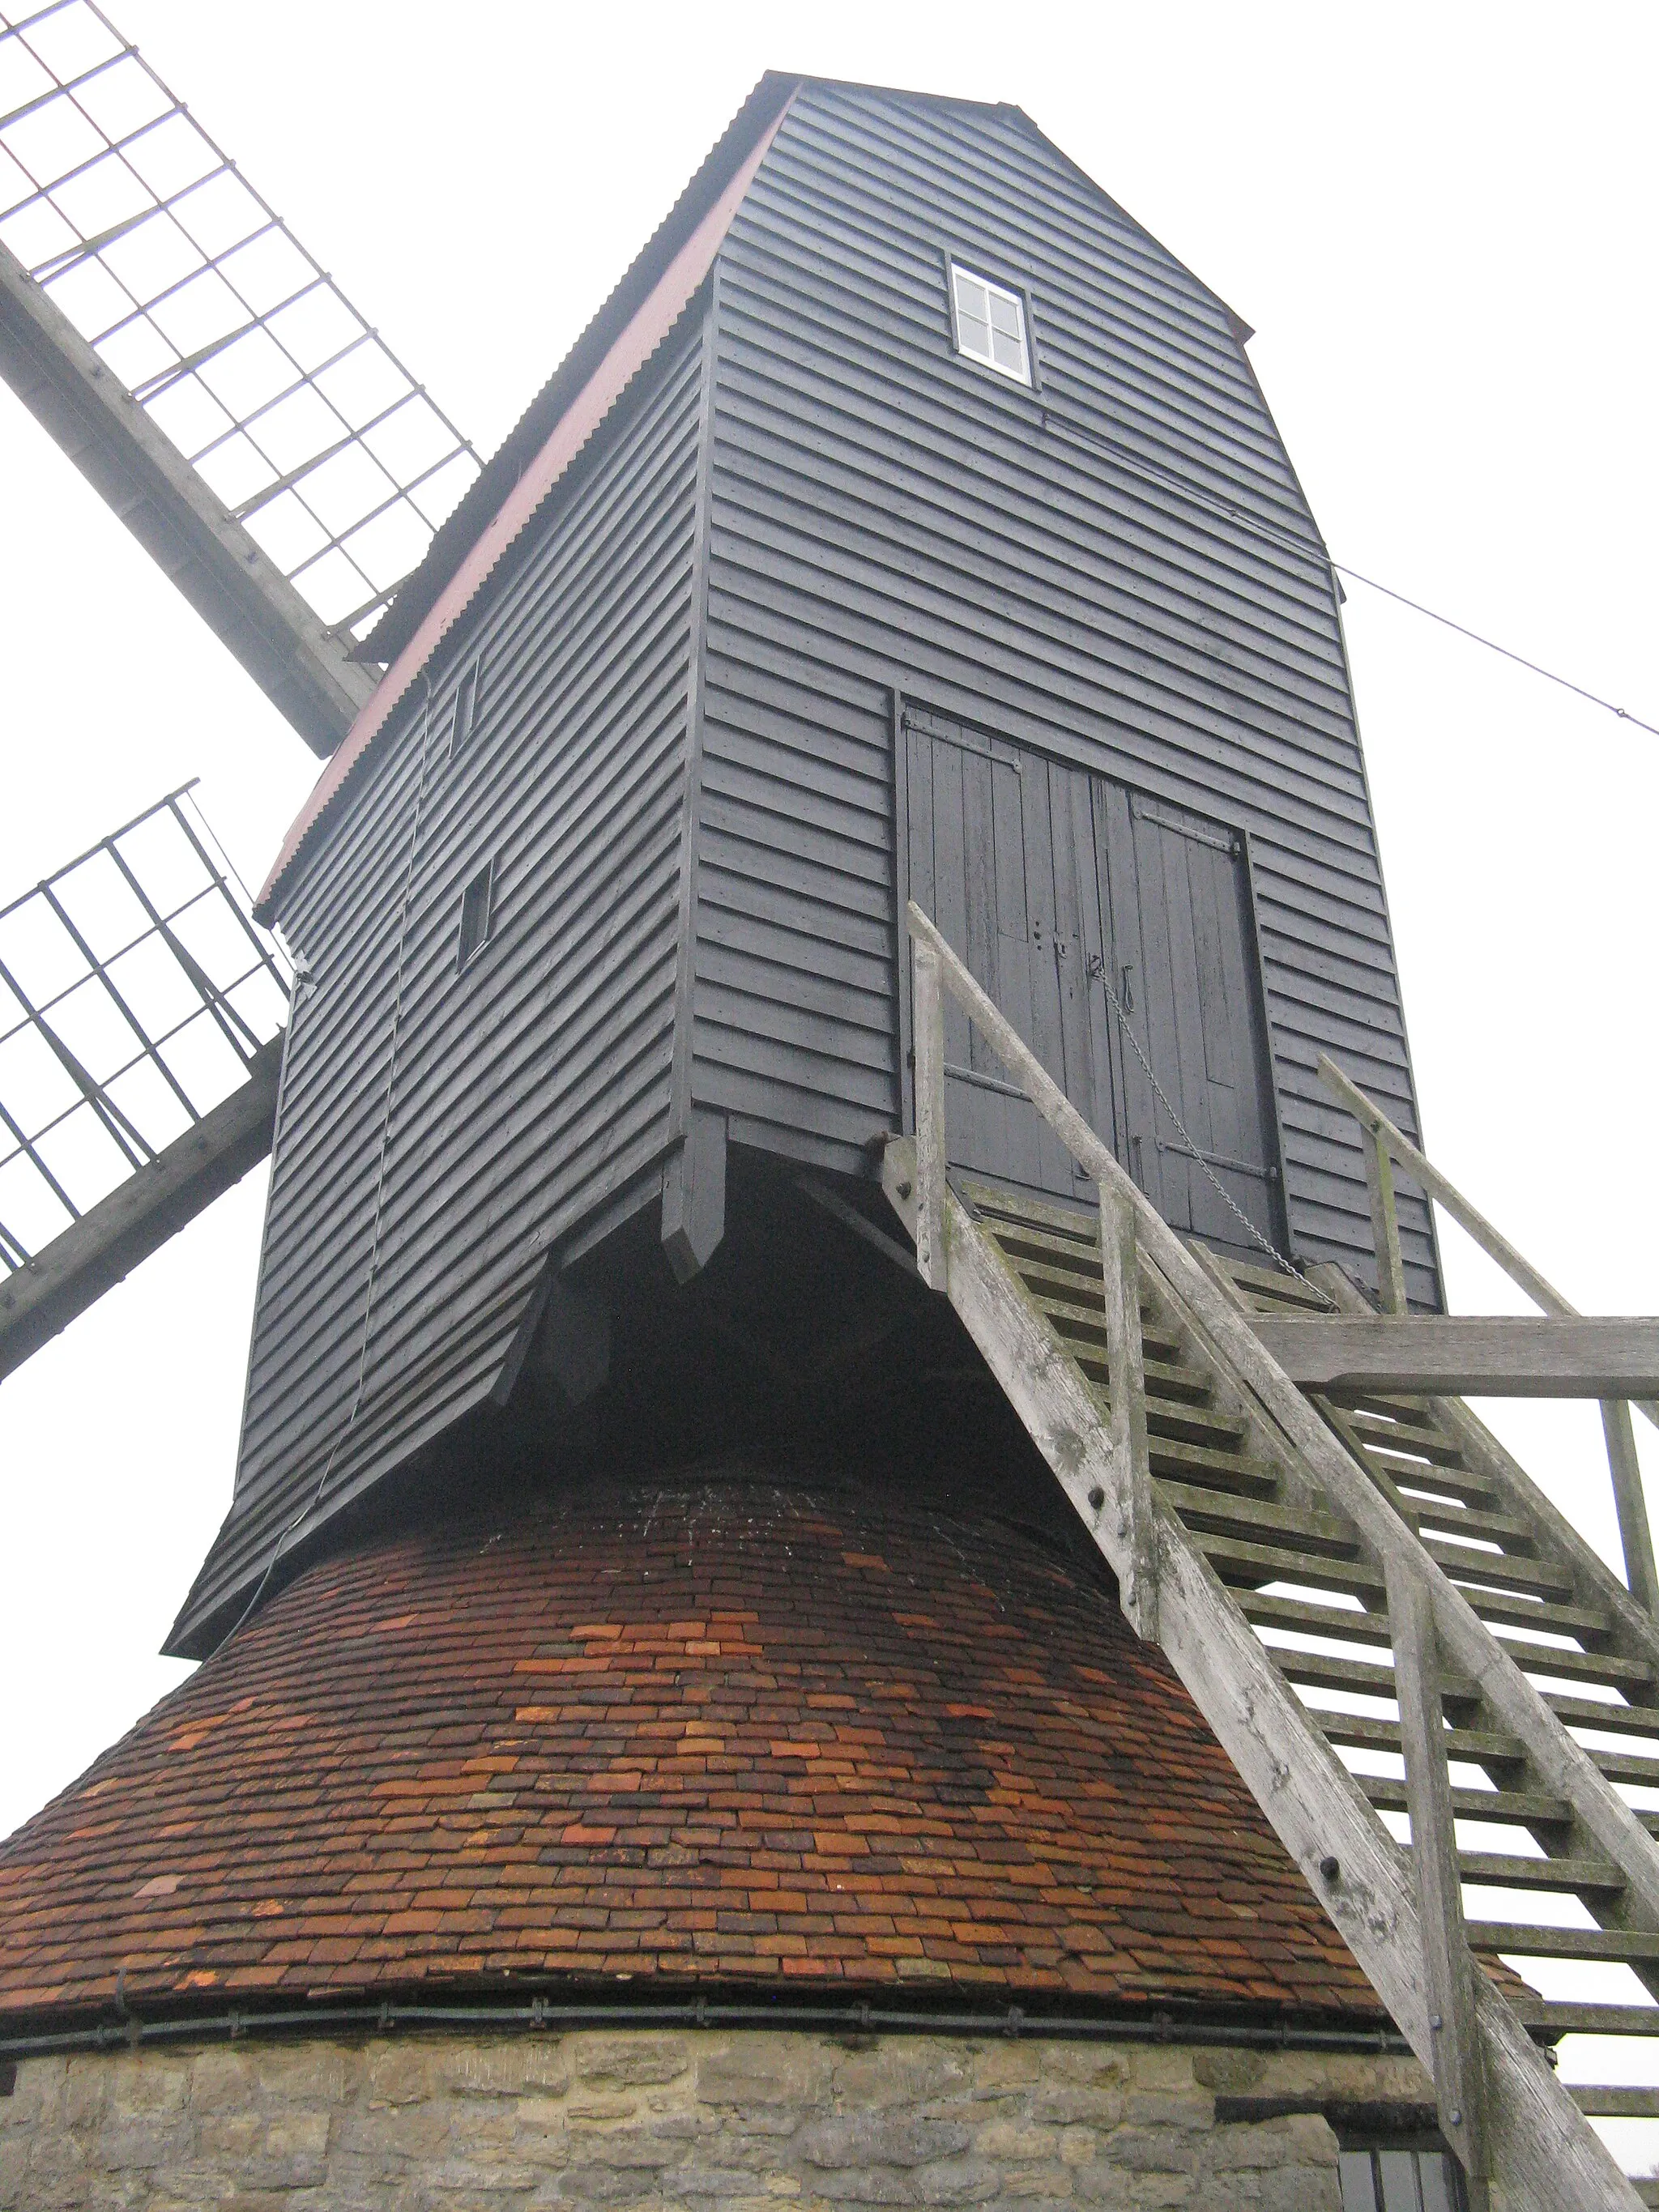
<point x="694" y="1731"/>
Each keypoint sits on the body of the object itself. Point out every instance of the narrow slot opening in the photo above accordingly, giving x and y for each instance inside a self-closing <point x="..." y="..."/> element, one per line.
<point x="478" y="911"/>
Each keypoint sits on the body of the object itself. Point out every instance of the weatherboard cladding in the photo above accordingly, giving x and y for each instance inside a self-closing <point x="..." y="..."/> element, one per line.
<point x="1118" y="568"/>
<point x="524" y="1087"/>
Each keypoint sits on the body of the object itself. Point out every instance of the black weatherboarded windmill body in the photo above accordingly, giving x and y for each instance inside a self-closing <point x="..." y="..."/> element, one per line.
<point x="909" y="524"/>
<point x="820" y="1459"/>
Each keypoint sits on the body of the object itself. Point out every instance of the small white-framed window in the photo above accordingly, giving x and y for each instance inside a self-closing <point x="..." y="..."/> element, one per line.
<point x="990" y="322"/>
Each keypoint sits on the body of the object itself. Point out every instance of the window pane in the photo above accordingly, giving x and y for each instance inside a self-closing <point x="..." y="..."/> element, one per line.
<point x="971" y="297"/>
<point x="1434" y="2172"/>
<point x="1400" y="2181"/>
<point x="974" y="335"/>
<point x="1004" y="314"/>
<point x="1359" y="2192"/>
<point x="1010" y="354"/>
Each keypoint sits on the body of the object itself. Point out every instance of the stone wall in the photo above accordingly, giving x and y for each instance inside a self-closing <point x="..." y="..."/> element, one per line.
<point x="699" y="2119"/>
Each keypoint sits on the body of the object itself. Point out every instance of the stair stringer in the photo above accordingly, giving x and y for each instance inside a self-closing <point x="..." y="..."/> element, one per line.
<point x="1546" y="2156"/>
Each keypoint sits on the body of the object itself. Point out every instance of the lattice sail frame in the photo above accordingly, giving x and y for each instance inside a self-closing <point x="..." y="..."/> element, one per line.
<point x="135" y="992"/>
<point x="199" y="299"/>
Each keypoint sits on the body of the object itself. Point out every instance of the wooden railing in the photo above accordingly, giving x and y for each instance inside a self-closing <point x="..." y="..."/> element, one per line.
<point x="1387" y="1147"/>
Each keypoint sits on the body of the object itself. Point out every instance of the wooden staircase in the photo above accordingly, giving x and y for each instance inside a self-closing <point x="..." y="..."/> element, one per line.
<point x="1374" y="1608"/>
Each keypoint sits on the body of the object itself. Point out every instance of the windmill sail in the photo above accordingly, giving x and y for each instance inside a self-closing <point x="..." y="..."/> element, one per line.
<point x="203" y="370"/>
<point x="141" y="1017"/>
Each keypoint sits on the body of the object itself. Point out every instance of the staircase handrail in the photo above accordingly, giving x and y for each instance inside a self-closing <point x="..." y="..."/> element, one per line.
<point x="1388" y="1144"/>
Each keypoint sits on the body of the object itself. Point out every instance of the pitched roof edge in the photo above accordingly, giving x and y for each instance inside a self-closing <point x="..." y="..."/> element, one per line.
<point x="761" y="111"/>
<point x="583" y="403"/>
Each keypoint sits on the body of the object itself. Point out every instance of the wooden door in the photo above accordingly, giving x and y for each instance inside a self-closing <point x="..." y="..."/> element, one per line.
<point x="1053" y="884"/>
<point x="1184" y="971"/>
<point x="1001" y="853"/>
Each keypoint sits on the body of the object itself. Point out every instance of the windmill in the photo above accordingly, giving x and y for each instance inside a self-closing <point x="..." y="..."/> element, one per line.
<point x="848" y="1434"/>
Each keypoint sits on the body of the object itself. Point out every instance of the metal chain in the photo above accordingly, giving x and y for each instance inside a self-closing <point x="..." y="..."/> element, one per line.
<point x="1227" y="1198"/>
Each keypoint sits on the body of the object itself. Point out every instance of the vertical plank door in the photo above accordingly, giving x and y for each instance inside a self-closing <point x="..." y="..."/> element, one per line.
<point x="1000" y="856"/>
<point x="1183" y="969"/>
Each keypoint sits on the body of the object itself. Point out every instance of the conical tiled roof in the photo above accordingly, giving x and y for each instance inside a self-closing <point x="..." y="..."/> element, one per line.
<point x="707" y="1730"/>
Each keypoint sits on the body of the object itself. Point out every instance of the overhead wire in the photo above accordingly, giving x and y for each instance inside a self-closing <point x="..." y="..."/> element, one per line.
<point x="1493" y="646"/>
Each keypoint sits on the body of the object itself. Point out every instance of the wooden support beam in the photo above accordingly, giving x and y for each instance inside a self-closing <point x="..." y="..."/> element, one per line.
<point x="1439" y="1355"/>
<point x="300" y="664"/>
<point x="155" y="1201"/>
<point x="1385" y="1226"/>
<point x="1458" y="2067"/>
<point x="928" y="1028"/>
<point x="571" y="1343"/>
<point x="1630" y="1500"/>
<point x="694" y="1196"/>
<point x="1126" y="1368"/>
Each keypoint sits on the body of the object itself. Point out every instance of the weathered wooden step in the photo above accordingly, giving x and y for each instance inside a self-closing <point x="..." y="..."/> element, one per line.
<point x="1594" y="1713"/>
<point x="1321" y="1670"/>
<point x="1342" y="1624"/>
<point x="1174" y="1460"/>
<point x="1274" y="1288"/>
<point x="1551" y="2020"/>
<point x="1523" y="1807"/>
<point x="1411" y="1476"/>
<point x="1507" y="1529"/>
<point x="1238" y="1562"/>
<point x="1502" y="1569"/>
<point x="1604" y="1667"/>
<point x="1502" y="1871"/>
<point x="1587" y="1621"/>
<point x="1259" y="1520"/>
<point x="1626" y="1766"/>
<point x="1472" y="1746"/>
<point x="1616" y="1945"/>
<point x="1197" y="1424"/>
<point x="1180" y="1385"/>
<point x="1420" y="1440"/>
<point x="1619" y="2100"/>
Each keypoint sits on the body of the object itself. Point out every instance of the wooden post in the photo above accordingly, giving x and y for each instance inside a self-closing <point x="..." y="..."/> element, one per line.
<point x="1120" y="1267"/>
<point x="1385" y="1224"/>
<point x="1630" y="1500"/>
<point x="1449" y="1968"/>
<point x="929" y="1026"/>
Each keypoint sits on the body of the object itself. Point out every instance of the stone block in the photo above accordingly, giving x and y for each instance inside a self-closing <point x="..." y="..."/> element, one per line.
<point x="635" y="2059"/>
<point x="1300" y="2139"/>
<point x="757" y="2071"/>
<point x="506" y="2068"/>
<point x="872" y="2139"/>
<point x="905" y="2070"/>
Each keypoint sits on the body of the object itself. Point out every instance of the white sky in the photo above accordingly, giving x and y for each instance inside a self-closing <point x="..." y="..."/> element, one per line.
<point x="1441" y="221"/>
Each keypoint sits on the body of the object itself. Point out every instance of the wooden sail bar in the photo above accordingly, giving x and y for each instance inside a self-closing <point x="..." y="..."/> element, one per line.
<point x="205" y="372"/>
<point x="1387" y="1147"/>
<point x="142" y="1016"/>
<point x="1252" y="1516"/>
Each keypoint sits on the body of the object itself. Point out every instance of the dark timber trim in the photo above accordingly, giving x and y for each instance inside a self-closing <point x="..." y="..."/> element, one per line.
<point x="694" y="1196"/>
<point x="900" y="901"/>
<point x="685" y="976"/>
<point x="241" y="593"/>
<point x="107" y="1243"/>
